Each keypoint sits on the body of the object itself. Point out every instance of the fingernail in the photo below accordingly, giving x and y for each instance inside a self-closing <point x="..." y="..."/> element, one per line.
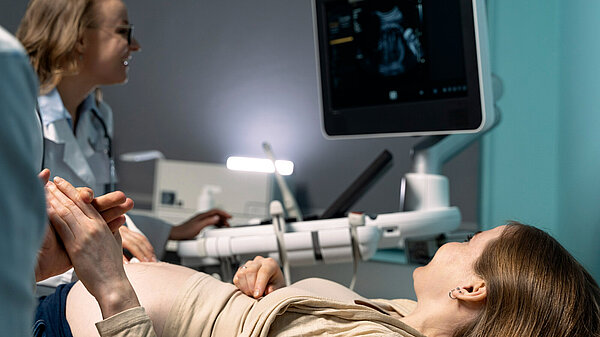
<point x="154" y="259"/>
<point x="58" y="179"/>
<point x="256" y="292"/>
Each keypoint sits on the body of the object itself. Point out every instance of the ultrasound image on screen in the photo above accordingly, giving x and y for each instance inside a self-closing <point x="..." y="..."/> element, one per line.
<point x="397" y="49"/>
<point x="383" y="52"/>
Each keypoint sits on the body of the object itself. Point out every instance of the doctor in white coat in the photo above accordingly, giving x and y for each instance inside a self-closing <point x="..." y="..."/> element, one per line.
<point x="79" y="151"/>
<point x="93" y="48"/>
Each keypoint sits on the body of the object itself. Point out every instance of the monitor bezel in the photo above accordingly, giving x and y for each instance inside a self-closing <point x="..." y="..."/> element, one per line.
<point x="433" y="117"/>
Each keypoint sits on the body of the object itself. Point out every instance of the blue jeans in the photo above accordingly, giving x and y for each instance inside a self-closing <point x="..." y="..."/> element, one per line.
<point x="50" y="316"/>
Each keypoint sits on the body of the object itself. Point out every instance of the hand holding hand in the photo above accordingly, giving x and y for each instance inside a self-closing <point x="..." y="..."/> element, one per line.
<point x="52" y="257"/>
<point x="93" y="248"/>
<point x="259" y="277"/>
<point x="189" y="229"/>
<point x="112" y="206"/>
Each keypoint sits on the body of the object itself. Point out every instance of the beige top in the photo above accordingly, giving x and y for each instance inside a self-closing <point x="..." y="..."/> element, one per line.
<point x="327" y="322"/>
<point x="132" y="322"/>
<point x="312" y="307"/>
<point x="318" y="307"/>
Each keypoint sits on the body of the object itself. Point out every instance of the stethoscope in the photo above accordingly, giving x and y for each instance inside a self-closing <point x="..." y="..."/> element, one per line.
<point x="112" y="172"/>
<point x="111" y="186"/>
<point x="41" y="125"/>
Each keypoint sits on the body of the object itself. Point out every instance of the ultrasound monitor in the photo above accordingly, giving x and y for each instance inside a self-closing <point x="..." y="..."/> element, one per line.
<point x="402" y="67"/>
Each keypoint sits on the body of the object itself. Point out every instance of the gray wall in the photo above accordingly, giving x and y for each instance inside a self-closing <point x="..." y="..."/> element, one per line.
<point x="217" y="78"/>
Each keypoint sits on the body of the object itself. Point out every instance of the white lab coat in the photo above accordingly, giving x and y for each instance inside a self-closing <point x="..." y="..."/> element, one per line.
<point x="81" y="158"/>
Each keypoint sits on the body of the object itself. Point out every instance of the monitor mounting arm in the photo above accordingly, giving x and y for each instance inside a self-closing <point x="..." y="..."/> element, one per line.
<point x="424" y="187"/>
<point x="432" y="152"/>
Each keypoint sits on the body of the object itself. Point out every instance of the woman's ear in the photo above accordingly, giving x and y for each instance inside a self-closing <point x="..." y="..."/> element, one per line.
<point x="80" y="45"/>
<point x="473" y="293"/>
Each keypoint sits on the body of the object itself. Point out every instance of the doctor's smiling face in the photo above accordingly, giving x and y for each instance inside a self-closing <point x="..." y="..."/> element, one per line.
<point x="452" y="266"/>
<point x="106" y="47"/>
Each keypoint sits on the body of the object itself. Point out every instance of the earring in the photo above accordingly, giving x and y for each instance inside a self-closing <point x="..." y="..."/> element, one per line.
<point x="453" y="290"/>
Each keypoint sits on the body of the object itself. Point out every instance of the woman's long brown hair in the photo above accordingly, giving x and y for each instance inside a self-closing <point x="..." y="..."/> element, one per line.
<point x="534" y="288"/>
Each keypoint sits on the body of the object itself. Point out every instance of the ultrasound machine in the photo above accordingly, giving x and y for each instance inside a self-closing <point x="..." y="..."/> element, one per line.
<point x="386" y="68"/>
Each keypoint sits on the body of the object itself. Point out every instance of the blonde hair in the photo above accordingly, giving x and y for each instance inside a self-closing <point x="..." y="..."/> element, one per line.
<point x="535" y="288"/>
<point x="49" y="32"/>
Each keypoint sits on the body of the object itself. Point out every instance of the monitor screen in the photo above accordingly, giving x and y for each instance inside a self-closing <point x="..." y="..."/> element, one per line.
<point x="400" y="67"/>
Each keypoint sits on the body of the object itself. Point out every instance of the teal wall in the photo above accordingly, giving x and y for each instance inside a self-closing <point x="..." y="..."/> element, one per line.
<point x="579" y="131"/>
<point x="519" y="157"/>
<point x="539" y="165"/>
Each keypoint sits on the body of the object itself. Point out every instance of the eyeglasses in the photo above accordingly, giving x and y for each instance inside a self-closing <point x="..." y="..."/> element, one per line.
<point x="124" y="30"/>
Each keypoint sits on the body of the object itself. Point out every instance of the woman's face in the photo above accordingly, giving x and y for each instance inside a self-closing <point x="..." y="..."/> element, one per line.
<point x="106" y="50"/>
<point x="452" y="265"/>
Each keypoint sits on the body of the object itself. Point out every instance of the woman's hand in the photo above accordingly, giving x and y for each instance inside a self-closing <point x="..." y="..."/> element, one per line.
<point x="259" y="277"/>
<point x="52" y="258"/>
<point x="192" y="227"/>
<point x="94" y="248"/>
<point x="137" y="244"/>
<point x="112" y="207"/>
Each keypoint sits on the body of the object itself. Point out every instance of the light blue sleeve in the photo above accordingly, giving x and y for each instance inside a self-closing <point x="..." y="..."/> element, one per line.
<point x="22" y="203"/>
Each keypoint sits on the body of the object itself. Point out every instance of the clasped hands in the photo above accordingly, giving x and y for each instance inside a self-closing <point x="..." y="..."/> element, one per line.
<point x="84" y="233"/>
<point x="80" y="226"/>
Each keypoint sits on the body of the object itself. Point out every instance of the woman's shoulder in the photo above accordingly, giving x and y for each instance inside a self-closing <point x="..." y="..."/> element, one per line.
<point x="401" y="306"/>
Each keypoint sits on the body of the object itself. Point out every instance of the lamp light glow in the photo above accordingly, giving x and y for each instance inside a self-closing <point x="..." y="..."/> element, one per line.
<point x="284" y="167"/>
